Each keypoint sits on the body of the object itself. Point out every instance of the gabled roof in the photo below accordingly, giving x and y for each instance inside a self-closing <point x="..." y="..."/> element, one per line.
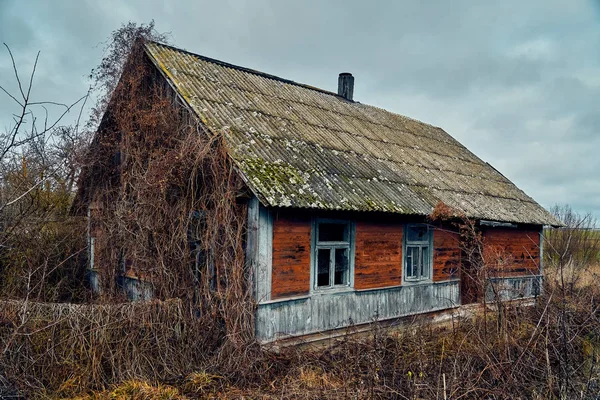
<point x="299" y="146"/>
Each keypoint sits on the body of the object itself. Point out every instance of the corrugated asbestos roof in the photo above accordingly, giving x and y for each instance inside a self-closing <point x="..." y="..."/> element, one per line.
<point x="299" y="146"/>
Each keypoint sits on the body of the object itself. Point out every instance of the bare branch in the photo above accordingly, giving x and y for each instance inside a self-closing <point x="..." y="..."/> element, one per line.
<point x="11" y="96"/>
<point x="16" y="72"/>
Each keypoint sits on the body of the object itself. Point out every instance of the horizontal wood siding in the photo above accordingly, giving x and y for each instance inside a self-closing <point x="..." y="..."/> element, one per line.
<point x="291" y="255"/>
<point x="446" y="254"/>
<point x="512" y="252"/>
<point x="320" y="313"/>
<point x="378" y="255"/>
<point x="513" y="288"/>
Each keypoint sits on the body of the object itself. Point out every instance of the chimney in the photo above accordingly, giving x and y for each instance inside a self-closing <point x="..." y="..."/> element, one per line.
<point x="346" y="85"/>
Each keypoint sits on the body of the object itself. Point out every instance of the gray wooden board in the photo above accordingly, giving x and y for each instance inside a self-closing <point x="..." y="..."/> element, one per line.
<point x="323" y="312"/>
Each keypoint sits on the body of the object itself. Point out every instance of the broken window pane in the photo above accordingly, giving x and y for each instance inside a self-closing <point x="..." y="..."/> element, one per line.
<point x="323" y="261"/>
<point x="330" y="232"/>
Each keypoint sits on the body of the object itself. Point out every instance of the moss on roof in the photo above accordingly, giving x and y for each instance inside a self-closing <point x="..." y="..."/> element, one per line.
<point x="299" y="146"/>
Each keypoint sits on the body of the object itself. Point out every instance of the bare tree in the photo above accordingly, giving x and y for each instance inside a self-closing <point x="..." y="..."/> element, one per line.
<point x="29" y="139"/>
<point x="38" y="170"/>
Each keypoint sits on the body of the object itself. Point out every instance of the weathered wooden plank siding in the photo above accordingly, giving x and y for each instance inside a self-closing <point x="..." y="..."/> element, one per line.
<point x="259" y="248"/>
<point x="135" y="289"/>
<point x="319" y="313"/>
<point x="378" y="255"/>
<point x="378" y="291"/>
<point x="446" y="254"/>
<point x="513" y="288"/>
<point x="512" y="252"/>
<point x="291" y="255"/>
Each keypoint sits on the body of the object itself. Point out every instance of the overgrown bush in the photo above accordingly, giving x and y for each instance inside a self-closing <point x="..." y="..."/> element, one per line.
<point x="167" y="204"/>
<point x="165" y="347"/>
<point x="71" y="348"/>
<point x="42" y="247"/>
<point x="45" y="261"/>
<point x="40" y="244"/>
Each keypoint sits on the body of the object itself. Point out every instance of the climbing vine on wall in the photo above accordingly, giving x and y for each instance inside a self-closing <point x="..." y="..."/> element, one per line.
<point x="167" y="206"/>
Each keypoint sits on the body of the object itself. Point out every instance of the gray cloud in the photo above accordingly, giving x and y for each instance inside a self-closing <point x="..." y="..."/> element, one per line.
<point x="516" y="82"/>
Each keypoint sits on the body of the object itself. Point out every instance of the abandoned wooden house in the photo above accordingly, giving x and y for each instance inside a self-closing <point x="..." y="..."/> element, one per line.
<point x="339" y="200"/>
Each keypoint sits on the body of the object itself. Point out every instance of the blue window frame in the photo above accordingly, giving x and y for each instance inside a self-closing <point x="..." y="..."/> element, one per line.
<point x="333" y="254"/>
<point x="418" y="245"/>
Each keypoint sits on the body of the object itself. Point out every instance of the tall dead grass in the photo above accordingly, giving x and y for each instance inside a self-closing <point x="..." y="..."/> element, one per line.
<point x="70" y="348"/>
<point x="164" y="350"/>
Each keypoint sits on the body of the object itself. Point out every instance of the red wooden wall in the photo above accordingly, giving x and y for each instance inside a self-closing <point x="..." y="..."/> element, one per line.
<point x="291" y="256"/>
<point x="446" y="254"/>
<point x="512" y="252"/>
<point x="378" y="255"/>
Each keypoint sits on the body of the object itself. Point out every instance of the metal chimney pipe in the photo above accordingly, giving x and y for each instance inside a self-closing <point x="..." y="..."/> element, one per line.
<point x="346" y="85"/>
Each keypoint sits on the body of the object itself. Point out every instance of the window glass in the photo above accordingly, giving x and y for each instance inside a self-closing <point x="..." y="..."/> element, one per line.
<point x="417" y="258"/>
<point x="331" y="232"/>
<point x="425" y="262"/>
<point x="341" y="267"/>
<point x="323" y="261"/>
<point x="417" y="233"/>
<point x="332" y="255"/>
<point x="412" y="262"/>
<point x="409" y="262"/>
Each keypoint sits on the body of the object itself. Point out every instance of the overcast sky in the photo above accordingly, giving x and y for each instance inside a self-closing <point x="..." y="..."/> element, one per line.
<point x="517" y="82"/>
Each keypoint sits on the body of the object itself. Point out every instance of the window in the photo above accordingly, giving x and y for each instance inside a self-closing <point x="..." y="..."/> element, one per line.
<point x="202" y="260"/>
<point x="333" y="258"/>
<point x="417" y="253"/>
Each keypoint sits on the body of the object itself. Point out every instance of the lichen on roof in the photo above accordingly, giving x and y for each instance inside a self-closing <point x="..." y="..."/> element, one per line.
<point x="299" y="146"/>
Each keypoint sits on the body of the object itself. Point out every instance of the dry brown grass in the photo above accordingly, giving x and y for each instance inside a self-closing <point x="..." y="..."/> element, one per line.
<point x="581" y="276"/>
<point x="71" y="348"/>
<point x="590" y="276"/>
<point x="136" y="390"/>
<point x="549" y="350"/>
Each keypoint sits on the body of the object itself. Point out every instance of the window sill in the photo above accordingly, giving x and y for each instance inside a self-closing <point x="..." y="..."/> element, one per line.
<point x="284" y="299"/>
<point x="334" y="290"/>
<point x="378" y="288"/>
<point x="428" y="282"/>
<point x="418" y="283"/>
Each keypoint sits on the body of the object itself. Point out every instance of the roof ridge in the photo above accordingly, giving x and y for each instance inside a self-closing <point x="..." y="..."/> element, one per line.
<point x="407" y="117"/>
<point x="252" y="71"/>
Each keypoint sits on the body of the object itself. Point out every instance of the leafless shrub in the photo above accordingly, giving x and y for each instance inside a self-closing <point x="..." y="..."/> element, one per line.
<point x="70" y="348"/>
<point x="571" y="252"/>
<point x="40" y="258"/>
